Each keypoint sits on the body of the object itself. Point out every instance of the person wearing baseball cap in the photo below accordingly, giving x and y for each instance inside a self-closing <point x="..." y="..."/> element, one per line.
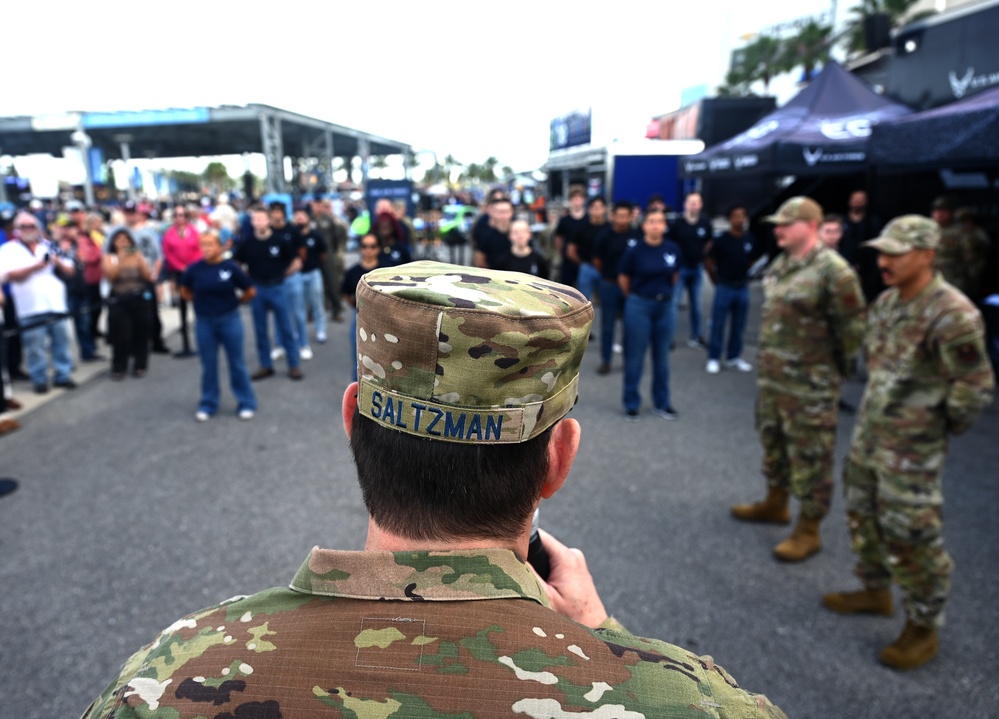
<point x="929" y="377"/>
<point x="458" y="430"/>
<point x="812" y="323"/>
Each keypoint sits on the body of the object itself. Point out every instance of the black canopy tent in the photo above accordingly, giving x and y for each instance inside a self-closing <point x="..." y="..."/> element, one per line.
<point x="963" y="134"/>
<point x="824" y="130"/>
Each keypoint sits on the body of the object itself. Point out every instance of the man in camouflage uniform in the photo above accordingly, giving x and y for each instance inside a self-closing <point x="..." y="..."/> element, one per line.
<point x="812" y="324"/>
<point x="929" y="377"/>
<point x="458" y="431"/>
<point x="963" y="252"/>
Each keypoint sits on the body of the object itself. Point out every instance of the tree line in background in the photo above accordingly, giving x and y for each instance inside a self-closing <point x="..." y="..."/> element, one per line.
<point x="768" y="56"/>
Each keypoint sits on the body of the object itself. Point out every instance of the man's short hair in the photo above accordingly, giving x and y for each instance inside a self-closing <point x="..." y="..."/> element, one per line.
<point x="595" y="199"/>
<point x="258" y="207"/>
<point x="832" y="217"/>
<point x="498" y="199"/>
<point x="623" y="205"/>
<point x="736" y="206"/>
<point x="576" y="190"/>
<point x="277" y="205"/>
<point x="425" y="490"/>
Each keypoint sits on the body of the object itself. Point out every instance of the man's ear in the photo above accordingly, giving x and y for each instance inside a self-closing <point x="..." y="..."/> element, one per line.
<point x="348" y="408"/>
<point x="562" y="447"/>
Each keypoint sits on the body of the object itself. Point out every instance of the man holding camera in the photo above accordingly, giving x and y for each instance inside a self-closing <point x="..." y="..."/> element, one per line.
<point x="458" y="430"/>
<point x="31" y="266"/>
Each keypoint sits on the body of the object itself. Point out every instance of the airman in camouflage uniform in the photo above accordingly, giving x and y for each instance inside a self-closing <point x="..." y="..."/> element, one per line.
<point x="453" y="363"/>
<point x="963" y="252"/>
<point x="929" y="377"/>
<point x="812" y="324"/>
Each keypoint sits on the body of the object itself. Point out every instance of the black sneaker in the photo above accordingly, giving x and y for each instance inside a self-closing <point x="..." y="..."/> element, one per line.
<point x="41" y="388"/>
<point x="604" y="368"/>
<point x="668" y="413"/>
<point x="65" y="384"/>
<point x="631" y="415"/>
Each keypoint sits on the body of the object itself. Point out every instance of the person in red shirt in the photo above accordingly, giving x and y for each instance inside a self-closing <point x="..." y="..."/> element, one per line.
<point x="181" y="248"/>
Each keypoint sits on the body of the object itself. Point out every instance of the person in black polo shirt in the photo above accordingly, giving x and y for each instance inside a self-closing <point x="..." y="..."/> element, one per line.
<point x="312" y="250"/>
<point x="494" y="242"/>
<point x="609" y="248"/>
<point x="522" y="257"/>
<point x="581" y="245"/>
<point x="648" y="274"/>
<point x="278" y="213"/>
<point x="269" y="258"/>
<point x="566" y="229"/>
<point x="692" y="232"/>
<point x="728" y="262"/>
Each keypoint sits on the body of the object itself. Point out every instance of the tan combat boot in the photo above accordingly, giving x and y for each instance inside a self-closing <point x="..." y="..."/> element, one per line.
<point x="915" y="646"/>
<point x="772" y="509"/>
<point x="803" y="542"/>
<point x="866" y="601"/>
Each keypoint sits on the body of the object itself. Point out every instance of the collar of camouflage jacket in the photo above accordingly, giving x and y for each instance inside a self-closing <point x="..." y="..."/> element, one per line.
<point x="436" y="576"/>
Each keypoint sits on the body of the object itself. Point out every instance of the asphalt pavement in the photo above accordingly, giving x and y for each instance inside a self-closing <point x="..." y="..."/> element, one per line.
<point x="130" y="514"/>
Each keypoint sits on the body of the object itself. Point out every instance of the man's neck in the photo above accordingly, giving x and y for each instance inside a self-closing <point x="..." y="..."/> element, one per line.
<point x="856" y="215"/>
<point x="692" y="219"/>
<point x="919" y="283"/>
<point x="263" y="235"/>
<point x="520" y="251"/>
<point x="736" y="231"/>
<point x="380" y="540"/>
<point x="805" y="248"/>
<point x="577" y="214"/>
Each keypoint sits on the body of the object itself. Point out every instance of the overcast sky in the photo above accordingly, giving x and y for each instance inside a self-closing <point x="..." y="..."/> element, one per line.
<point x="469" y="79"/>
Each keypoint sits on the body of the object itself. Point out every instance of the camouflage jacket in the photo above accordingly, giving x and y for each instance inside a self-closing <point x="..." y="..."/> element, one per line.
<point x="929" y="376"/>
<point x="962" y="258"/>
<point x="412" y="634"/>
<point x="812" y="323"/>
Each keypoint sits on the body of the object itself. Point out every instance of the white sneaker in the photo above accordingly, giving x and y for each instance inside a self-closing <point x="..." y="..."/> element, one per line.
<point x="321" y="338"/>
<point x="713" y="367"/>
<point x="739" y="364"/>
<point x="200" y="416"/>
<point x="305" y="353"/>
<point x="618" y="349"/>
<point x="245" y="414"/>
<point x="277" y="353"/>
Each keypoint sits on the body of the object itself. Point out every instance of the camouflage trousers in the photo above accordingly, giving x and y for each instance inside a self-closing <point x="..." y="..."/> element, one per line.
<point x="333" y="268"/>
<point x="799" y="439"/>
<point x="896" y="529"/>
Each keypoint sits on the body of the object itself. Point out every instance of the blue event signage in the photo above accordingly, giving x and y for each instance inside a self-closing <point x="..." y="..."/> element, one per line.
<point x="571" y="130"/>
<point x="97" y="120"/>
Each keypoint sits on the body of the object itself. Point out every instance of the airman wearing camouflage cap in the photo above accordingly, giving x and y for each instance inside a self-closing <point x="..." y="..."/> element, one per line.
<point x="812" y="322"/>
<point x="963" y="251"/>
<point x="929" y="376"/>
<point x="458" y="430"/>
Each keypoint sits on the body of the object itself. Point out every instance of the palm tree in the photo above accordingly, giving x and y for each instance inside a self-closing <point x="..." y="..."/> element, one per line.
<point x="809" y="48"/>
<point x="489" y="169"/>
<point x="764" y="59"/>
<point x="896" y="10"/>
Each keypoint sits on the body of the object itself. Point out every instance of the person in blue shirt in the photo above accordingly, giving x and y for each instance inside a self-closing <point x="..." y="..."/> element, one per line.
<point x="211" y="284"/>
<point x="729" y="258"/>
<point x="647" y="275"/>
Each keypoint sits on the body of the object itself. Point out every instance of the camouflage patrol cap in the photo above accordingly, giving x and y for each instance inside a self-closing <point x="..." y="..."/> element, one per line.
<point x="797" y="208"/>
<point x="907" y="233"/>
<point x="468" y="355"/>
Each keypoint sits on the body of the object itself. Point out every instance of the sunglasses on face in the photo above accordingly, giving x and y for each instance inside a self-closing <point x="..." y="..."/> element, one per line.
<point x="27" y="227"/>
<point x="369" y="247"/>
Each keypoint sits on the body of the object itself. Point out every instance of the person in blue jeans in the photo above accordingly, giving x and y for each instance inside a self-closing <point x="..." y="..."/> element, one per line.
<point x="692" y="233"/>
<point x="581" y="245"/>
<point x="729" y="258"/>
<point x="217" y="287"/>
<point x="312" y="251"/>
<point x="648" y="274"/>
<point x="269" y="257"/>
<point x="608" y="250"/>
